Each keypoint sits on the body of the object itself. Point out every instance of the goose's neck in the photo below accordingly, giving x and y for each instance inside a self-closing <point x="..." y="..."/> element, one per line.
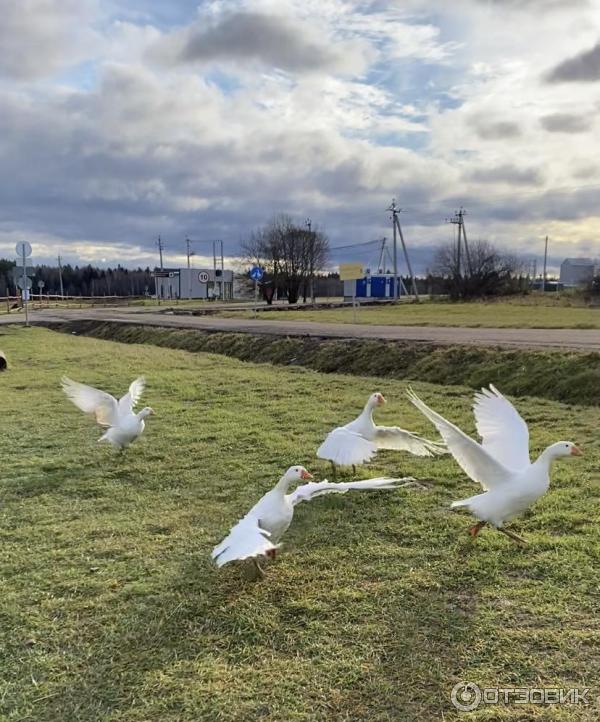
<point x="282" y="486"/>
<point x="545" y="459"/>
<point x="367" y="412"/>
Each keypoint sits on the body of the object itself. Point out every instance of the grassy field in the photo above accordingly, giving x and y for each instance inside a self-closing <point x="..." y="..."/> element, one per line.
<point x="376" y="607"/>
<point x="472" y="315"/>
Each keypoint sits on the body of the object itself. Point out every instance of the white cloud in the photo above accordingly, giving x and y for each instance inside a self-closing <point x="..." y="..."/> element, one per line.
<point x="39" y="37"/>
<point x="331" y="108"/>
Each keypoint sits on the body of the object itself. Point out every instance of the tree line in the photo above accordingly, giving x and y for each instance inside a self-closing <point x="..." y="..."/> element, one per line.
<point x="82" y="280"/>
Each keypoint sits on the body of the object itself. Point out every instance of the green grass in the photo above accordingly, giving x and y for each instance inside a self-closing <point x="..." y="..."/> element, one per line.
<point x="564" y="376"/>
<point x="500" y="314"/>
<point x="378" y="604"/>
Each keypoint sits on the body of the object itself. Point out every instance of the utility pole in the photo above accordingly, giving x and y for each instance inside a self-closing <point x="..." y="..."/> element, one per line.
<point x="160" y="245"/>
<point x="60" y="278"/>
<point x="406" y="258"/>
<point x="545" y="264"/>
<point x="308" y="224"/>
<point x="459" y="220"/>
<point x="189" y="266"/>
<point x="397" y="228"/>
<point x="160" y="250"/>
<point x="381" y="263"/>
<point x="222" y="273"/>
<point x="394" y="211"/>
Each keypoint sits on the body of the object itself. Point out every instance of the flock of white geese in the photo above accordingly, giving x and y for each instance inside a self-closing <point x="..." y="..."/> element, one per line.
<point x="500" y="463"/>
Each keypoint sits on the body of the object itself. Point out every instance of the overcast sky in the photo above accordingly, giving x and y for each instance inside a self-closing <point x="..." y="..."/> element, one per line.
<point x="124" y="119"/>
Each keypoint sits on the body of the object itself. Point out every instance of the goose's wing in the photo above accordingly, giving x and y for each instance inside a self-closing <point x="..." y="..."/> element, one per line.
<point x="245" y="540"/>
<point x="345" y="448"/>
<point x="504" y="434"/>
<point x="92" y="401"/>
<point x="307" y="492"/>
<point x="393" y="437"/>
<point x="473" y="459"/>
<point x="131" y="398"/>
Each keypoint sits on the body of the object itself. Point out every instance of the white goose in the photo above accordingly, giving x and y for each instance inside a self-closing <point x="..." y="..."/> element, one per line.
<point x="357" y="442"/>
<point x="124" y="426"/>
<point x="501" y="462"/>
<point x="259" y="532"/>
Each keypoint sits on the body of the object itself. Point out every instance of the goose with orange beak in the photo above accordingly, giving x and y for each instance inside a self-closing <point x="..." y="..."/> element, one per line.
<point x="259" y="532"/>
<point x="358" y="441"/>
<point x="500" y="463"/>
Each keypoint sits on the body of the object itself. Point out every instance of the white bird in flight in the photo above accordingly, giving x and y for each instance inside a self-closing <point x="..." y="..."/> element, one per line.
<point x="357" y="442"/>
<point x="500" y="463"/>
<point x="259" y="532"/>
<point x="124" y="426"/>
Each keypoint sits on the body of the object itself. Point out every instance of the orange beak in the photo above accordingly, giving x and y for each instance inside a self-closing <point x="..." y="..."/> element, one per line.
<point x="576" y="451"/>
<point x="306" y="475"/>
<point x="381" y="399"/>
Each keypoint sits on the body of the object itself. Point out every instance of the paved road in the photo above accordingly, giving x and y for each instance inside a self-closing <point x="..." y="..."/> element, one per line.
<point x="578" y="339"/>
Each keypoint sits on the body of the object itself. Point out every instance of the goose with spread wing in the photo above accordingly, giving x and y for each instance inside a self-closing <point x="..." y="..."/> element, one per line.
<point x="500" y="463"/>
<point x="258" y="534"/>
<point x="122" y="424"/>
<point x="358" y="441"/>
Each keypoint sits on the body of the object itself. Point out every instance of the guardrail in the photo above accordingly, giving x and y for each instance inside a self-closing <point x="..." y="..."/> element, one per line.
<point x="47" y="300"/>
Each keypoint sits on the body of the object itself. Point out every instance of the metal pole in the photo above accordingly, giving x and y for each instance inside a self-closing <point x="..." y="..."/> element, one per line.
<point x="545" y="264"/>
<point x="412" y="278"/>
<point x="188" y="247"/>
<point x="60" y="278"/>
<point x="25" y="290"/>
<point x="461" y="215"/>
<point x="395" y="249"/>
<point x="222" y="274"/>
<point x="160" y="250"/>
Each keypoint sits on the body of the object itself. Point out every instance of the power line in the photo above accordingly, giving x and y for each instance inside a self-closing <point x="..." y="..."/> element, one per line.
<point x="355" y="245"/>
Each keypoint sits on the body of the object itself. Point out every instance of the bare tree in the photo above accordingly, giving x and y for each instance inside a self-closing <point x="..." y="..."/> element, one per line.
<point x="290" y="254"/>
<point x="492" y="273"/>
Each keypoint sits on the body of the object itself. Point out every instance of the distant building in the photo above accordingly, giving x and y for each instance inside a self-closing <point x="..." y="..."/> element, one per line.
<point x="379" y="285"/>
<point x="576" y="271"/>
<point x="172" y="283"/>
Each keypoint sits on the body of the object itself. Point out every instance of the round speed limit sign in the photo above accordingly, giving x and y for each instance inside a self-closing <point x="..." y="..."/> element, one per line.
<point x="203" y="277"/>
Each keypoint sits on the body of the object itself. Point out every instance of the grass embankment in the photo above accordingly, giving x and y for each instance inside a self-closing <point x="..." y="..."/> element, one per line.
<point x="378" y="605"/>
<point x="500" y="314"/>
<point x="564" y="376"/>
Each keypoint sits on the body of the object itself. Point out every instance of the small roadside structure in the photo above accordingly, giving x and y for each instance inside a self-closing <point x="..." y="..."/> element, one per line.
<point x="576" y="271"/>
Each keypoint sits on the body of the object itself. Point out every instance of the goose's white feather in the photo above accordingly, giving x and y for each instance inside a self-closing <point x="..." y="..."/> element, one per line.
<point x="246" y="539"/>
<point x="473" y="459"/>
<point x="393" y="437"/>
<point x="268" y="520"/>
<point x="503" y="432"/>
<point x="307" y="492"/>
<point x="122" y="425"/>
<point x="132" y="397"/>
<point x="92" y="401"/>
<point x="359" y="440"/>
<point x="512" y="484"/>
<point x="346" y="448"/>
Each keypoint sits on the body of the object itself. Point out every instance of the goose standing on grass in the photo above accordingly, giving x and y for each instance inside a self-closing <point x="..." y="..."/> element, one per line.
<point x="259" y="532"/>
<point x="500" y="463"/>
<point x="124" y="426"/>
<point x="357" y="442"/>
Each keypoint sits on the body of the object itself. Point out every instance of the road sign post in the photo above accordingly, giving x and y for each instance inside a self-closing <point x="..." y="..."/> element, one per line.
<point x="23" y="249"/>
<point x="256" y="273"/>
<point x="352" y="272"/>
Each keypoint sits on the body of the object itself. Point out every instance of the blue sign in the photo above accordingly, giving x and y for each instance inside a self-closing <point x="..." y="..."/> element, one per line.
<point x="256" y="273"/>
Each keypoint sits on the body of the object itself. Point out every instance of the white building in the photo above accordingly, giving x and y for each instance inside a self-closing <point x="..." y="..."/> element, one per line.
<point x="184" y="283"/>
<point x="576" y="271"/>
